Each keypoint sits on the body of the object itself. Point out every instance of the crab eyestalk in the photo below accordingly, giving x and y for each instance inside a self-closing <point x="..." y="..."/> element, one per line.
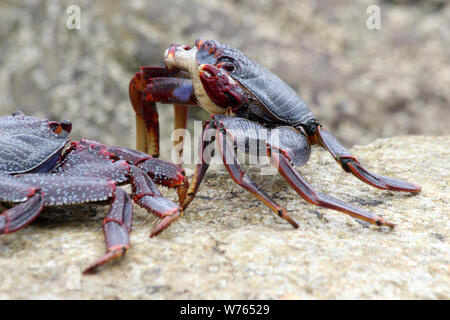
<point x="223" y="90"/>
<point x="61" y="128"/>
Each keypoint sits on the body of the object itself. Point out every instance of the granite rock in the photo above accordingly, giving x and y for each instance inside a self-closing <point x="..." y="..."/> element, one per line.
<point x="361" y="83"/>
<point x="229" y="245"/>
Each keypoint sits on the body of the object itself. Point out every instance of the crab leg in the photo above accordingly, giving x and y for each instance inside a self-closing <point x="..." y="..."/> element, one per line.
<point x="307" y="192"/>
<point x="169" y="90"/>
<point x="147" y="195"/>
<point x="154" y="72"/>
<point x="239" y="176"/>
<point x="167" y="174"/>
<point x="23" y="213"/>
<point x="219" y="124"/>
<point x="152" y="85"/>
<point x="160" y="171"/>
<point x="145" y="192"/>
<point x="116" y="227"/>
<point x="350" y="164"/>
<point x="202" y="166"/>
<point x="60" y="190"/>
<point x="147" y="123"/>
<point x="181" y="113"/>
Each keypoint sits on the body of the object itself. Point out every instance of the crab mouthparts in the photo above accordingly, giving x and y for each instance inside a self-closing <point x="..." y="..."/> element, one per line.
<point x="209" y="71"/>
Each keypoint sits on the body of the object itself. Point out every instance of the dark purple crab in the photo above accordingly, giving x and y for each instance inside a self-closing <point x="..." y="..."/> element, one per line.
<point x="249" y="106"/>
<point x="35" y="173"/>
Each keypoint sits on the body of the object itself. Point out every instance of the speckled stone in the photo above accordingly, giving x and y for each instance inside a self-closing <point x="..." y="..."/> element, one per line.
<point x="230" y="246"/>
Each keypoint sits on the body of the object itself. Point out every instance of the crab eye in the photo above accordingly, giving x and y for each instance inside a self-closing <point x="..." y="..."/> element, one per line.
<point x="61" y="128"/>
<point x="227" y="66"/>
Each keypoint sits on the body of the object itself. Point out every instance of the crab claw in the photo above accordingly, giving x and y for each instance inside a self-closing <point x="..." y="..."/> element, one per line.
<point x="221" y="88"/>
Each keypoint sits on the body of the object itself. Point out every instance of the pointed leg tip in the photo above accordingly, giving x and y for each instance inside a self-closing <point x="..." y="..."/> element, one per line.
<point x="404" y="186"/>
<point x="381" y="223"/>
<point x="414" y="189"/>
<point x="89" y="271"/>
<point x="110" y="255"/>
<point x="166" y="221"/>
<point x="379" y="181"/>
<point x="92" y="269"/>
<point x="293" y="223"/>
<point x="157" y="230"/>
<point x="186" y="201"/>
<point x="390" y="225"/>
<point x="283" y="214"/>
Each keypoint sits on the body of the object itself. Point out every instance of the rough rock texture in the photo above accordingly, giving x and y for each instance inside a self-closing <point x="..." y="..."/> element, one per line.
<point x="229" y="245"/>
<point x="363" y="84"/>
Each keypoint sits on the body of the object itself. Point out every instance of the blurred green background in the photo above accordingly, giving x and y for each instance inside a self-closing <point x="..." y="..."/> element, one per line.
<point x="360" y="83"/>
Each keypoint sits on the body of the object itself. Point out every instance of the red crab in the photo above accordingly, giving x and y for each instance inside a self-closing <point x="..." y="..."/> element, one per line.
<point x="35" y="173"/>
<point x="249" y="106"/>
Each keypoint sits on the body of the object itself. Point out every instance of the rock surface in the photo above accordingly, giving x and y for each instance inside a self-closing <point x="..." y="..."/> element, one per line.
<point x="230" y="246"/>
